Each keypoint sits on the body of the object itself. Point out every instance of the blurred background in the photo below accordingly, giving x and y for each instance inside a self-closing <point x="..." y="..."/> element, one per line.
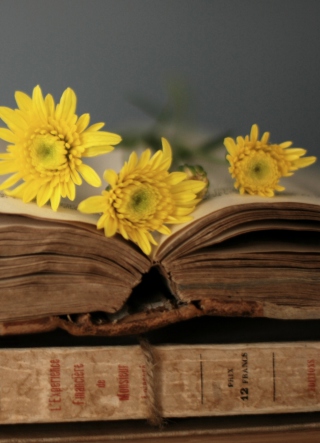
<point x="215" y="65"/>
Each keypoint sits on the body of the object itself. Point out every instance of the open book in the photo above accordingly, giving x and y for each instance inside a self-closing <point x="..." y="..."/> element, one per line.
<point x="240" y="256"/>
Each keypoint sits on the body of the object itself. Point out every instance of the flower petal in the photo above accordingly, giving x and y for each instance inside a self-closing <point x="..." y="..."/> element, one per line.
<point x="254" y="134"/>
<point x="49" y="104"/>
<point x="111" y="177"/>
<point x="92" y="205"/>
<point x="8" y="135"/>
<point x="101" y="138"/>
<point x="97" y="150"/>
<point x="67" y="106"/>
<point x="89" y="175"/>
<point x="7" y="166"/>
<point x="39" y="105"/>
<point x="83" y="122"/>
<point x="23" y="101"/>
<point x="230" y="145"/>
<point x="55" y="198"/>
<point x="11" y="181"/>
<point x="13" y="120"/>
<point x="110" y="227"/>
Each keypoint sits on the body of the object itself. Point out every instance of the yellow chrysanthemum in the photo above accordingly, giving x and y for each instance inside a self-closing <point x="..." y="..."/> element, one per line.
<point x="48" y="144"/>
<point x="144" y="197"/>
<point x="258" y="165"/>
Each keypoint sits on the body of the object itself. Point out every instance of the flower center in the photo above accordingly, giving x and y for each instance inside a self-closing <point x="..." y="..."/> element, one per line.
<point x="141" y="202"/>
<point x="261" y="168"/>
<point x="48" y="152"/>
<point x="258" y="171"/>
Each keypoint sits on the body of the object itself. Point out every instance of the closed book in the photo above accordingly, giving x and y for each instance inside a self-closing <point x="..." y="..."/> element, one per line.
<point x="93" y="383"/>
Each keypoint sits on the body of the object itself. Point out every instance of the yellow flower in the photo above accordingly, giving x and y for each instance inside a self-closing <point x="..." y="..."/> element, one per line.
<point x="258" y="165"/>
<point x="48" y="144"/>
<point x="144" y="197"/>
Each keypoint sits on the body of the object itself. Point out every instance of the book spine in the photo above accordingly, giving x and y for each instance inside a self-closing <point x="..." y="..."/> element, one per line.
<point x="112" y="383"/>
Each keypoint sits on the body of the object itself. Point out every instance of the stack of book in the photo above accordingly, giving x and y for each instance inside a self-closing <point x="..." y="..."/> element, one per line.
<point x="216" y="333"/>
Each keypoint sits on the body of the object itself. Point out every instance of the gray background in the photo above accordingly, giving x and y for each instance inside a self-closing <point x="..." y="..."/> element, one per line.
<point x="244" y="61"/>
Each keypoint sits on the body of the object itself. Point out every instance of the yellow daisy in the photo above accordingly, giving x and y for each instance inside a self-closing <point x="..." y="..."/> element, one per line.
<point x="48" y="144"/>
<point x="144" y="197"/>
<point x="258" y="165"/>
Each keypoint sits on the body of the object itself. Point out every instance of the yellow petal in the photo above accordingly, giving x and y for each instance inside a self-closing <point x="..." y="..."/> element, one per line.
<point x="44" y="194"/>
<point x="55" y="198"/>
<point x="102" y="220"/>
<point x="123" y="231"/>
<point x="70" y="190"/>
<point x="230" y="145"/>
<point x="144" y="159"/>
<point x="183" y="197"/>
<point x="31" y="190"/>
<point x="164" y="230"/>
<point x="49" y="104"/>
<point x="180" y="211"/>
<point x="97" y="150"/>
<point x="110" y="227"/>
<point x="157" y="159"/>
<point x="304" y="162"/>
<point x="175" y="221"/>
<point x="39" y="105"/>
<point x="23" y="101"/>
<point x="7" y="135"/>
<point x="166" y="148"/>
<point x="6" y="156"/>
<point x="89" y="175"/>
<point x="13" y="120"/>
<point x="175" y="177"/>
<point x="100" y="138"/>
<point x="265" y="138"/>
<point x="254" y="134"/>
<point x="285" y="145"/>
<point x="143" y="242"/>
<point x="67" y="106"/>
<point x="189" y="186"/>
<point x="7" y="167"/>
<point x="83" y="122"/>
<point x="151" y="239"/>
<point x="298" y="152"/>
<point x="11" y="181"/>
<point x="92" y="205"/>
<point x="111" y="177"/>
<point x="96" y="127"/>
<point x="132" y="163"/>
<point x="17" y="192"/>
<point x="75" y="177"/>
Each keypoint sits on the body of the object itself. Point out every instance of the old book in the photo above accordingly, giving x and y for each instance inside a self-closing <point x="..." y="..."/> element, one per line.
<point x="142" y="382"/>
<point x="241" y="255"/>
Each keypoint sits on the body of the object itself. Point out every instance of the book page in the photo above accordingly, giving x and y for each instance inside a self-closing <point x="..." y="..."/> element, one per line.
<point x="66" y="212"/>
<point x="303" y="191"/>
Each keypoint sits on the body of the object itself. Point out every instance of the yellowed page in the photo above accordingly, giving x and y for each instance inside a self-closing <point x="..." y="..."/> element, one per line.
<point x="66" y="212"/>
